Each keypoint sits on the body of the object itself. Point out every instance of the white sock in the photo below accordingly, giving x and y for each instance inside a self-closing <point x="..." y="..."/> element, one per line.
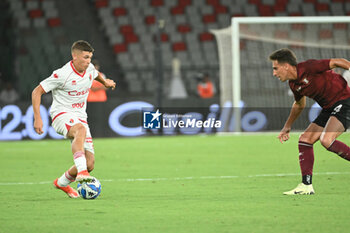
<point x="65" y="179"/>
<point x="80" y="161"/>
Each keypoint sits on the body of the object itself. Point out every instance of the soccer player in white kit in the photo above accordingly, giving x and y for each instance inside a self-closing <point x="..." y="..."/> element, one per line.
<point x="70" y="88"/>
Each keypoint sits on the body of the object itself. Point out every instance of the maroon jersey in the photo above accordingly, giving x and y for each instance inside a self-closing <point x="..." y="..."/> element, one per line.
<point x="317" y="81"/>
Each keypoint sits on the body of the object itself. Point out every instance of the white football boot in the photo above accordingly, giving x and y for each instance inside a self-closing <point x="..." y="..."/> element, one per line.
<point x="301" y="189"/>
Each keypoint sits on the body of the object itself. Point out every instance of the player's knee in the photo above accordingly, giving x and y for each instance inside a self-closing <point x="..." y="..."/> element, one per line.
<point x="90" y="164"/>
<point x="79" y="130"/>
<point x="305" y="138"/>
<point x="326" y="141"/>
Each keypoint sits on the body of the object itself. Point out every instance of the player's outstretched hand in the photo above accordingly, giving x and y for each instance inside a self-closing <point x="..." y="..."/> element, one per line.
<point x="284" y="135"/>
<point x="109" y="83"/>
<point x="38" y="126"/>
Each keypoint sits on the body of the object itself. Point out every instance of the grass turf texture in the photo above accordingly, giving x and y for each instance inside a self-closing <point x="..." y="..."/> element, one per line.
<point x="203" y="202"/>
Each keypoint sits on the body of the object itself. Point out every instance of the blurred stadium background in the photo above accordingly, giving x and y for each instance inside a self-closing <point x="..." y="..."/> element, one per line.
<point x="176" y="184"/>
<point x="36" y="36"/>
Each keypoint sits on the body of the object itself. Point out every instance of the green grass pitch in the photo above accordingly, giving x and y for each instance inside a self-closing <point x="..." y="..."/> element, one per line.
<point x="175" y="184"/>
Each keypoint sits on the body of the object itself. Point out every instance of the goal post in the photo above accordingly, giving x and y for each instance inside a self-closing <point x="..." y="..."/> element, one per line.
<point x="254" y="38"/>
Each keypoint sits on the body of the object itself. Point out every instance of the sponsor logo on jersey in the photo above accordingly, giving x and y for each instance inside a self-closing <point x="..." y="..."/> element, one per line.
<point x="74" y="82"/>
<point x="78" y="105"/>
<point x="78" y="93"/>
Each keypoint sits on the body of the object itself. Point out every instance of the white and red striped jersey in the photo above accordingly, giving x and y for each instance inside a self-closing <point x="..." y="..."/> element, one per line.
<point x="69" y="89"/>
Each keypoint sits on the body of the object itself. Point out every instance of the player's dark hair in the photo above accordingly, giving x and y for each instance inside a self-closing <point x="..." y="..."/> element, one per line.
<point x="82" y="45"/>
<point x="284" y="56"/>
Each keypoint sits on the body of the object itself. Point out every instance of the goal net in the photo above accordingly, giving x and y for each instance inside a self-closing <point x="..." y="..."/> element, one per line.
<point x="244" y="48"/>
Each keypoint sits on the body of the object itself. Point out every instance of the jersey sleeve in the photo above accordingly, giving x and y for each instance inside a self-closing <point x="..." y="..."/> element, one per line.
<point x="297" y="95"/>
<point x="316" y="66"/>
<point x="94" y="71"/>
<point x="54" y="81"/>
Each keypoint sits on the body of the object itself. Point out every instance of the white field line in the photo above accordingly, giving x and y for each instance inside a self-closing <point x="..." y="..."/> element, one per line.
<point x="186" y="178"/>
<point x="37" y="183"/>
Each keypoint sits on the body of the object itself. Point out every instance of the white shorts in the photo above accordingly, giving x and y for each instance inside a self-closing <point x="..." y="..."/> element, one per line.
<point x="62" y="122"/>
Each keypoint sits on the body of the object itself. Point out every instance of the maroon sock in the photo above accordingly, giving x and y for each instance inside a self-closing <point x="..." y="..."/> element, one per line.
<point x="340" y="149"/>
<point x="306" y="158"/>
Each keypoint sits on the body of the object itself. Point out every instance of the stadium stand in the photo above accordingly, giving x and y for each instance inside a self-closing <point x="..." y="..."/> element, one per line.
<point x="39" y="30"/>
<point x="7" y="45"/>
<point x="127" y="28"/>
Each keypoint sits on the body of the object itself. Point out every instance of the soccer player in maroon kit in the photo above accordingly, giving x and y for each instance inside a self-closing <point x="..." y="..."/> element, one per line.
<point x="314" y="79"/>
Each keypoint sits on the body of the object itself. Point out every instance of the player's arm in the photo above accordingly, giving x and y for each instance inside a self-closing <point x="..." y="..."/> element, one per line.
<point x="36" y="100"/>
<point x="97" y="87"/>
<point x="297" y="108"/>
<point x="108" y="83"/>
<point x="339" y="62"/>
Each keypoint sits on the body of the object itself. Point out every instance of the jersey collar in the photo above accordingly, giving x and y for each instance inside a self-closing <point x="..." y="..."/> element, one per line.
<point x="81" y="75"/>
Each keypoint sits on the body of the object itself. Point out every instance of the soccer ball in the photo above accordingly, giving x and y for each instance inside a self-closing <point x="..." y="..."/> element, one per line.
<point x="89" y="190"/>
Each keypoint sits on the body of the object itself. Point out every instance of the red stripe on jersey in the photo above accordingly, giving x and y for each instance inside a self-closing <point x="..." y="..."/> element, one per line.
<point x="83" y="121"/>
<point x="68" y="127"/>
<point x="58" y="115"/>
<point x="81" y="75"/>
